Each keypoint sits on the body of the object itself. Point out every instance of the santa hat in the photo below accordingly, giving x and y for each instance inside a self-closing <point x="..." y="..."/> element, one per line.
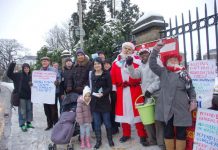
<point x="86" y="90"/>
<point x="129" y="44"/>
<point x="167" y="55"/>
<point x="143" y="49"/>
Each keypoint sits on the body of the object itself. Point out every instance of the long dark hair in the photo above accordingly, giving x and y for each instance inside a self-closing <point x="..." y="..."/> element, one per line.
<point x="98" y="60"/>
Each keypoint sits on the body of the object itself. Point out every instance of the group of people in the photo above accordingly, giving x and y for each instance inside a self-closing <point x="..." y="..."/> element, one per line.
<point x="108" y="93"/>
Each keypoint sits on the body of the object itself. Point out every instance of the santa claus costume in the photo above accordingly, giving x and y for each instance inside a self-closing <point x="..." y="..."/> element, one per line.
<point x="127" y="89"/>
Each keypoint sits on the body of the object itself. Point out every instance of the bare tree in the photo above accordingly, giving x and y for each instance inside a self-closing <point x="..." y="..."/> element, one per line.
<point x="9" y="51"/>
<point x="58" y="38"/>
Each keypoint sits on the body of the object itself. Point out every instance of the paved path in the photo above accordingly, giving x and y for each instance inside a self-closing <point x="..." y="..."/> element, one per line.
<point x="38" y="139"/>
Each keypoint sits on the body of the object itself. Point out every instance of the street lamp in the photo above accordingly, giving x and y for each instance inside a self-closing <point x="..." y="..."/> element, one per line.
<point x="81" y="31"/>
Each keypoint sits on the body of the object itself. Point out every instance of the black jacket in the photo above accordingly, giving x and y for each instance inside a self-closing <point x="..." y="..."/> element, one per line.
<point x="20" y="78"/>
<point x="104" y="81"/>
<point x="66" y="80"/>
<point x="81" y="75"/>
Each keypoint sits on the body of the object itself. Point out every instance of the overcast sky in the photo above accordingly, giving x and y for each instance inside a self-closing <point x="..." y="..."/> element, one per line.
<point x="28" y="21"/>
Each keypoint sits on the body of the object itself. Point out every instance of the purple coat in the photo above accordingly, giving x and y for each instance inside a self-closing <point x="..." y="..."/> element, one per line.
<point x="83" y="113"/>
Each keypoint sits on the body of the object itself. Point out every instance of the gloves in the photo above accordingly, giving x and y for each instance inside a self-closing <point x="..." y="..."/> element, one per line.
<point x="30" y="83"/>
<point x="69" y="89"/>
<point x="159" y="45"/>
<point x="147" y="94"/>
<point x="193" y="106"/>
<point x="56" y="83"/>
<point x="129" y="60"/>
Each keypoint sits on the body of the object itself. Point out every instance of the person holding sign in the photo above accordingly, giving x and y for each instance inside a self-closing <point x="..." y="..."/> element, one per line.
<point x="177" y="97"/>
<point x="21" y="82"/>
<point x="51" y="110"/>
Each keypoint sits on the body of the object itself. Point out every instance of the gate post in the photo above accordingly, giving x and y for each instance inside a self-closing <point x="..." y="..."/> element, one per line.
<point x="148" y="27"/>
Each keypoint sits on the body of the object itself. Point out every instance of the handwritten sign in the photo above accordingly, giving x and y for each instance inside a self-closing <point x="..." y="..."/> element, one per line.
<point x="203" y="73"/>
<point x="206" y="130"/>
<point x="43" y="89"/>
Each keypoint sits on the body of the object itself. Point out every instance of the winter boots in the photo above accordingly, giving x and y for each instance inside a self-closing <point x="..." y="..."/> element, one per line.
<point x="82" y="142"/>
<point x="169" y="143"/>
<point x="85" y="142"/>
<point x="98" y="139"/>
<point x="88" y="142"/>
<point x="109" y="137"/>
<point x="180" y="144"/>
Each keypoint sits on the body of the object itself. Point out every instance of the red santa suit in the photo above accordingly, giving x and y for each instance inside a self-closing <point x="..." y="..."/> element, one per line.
<point x="127" y="89"/>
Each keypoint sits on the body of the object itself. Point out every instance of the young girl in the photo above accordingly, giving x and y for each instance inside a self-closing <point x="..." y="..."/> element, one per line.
<point x="100" y="104"/>
<point x="83" y="117"/>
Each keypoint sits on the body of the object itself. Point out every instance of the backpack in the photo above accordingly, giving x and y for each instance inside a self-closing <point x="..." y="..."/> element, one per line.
<point x="15" y="98"/>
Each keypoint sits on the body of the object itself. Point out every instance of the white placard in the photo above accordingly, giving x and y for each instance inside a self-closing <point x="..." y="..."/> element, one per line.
<point x="203" y="73"/>
<point x="43" y="89"/>
<point x="206" y="130"/>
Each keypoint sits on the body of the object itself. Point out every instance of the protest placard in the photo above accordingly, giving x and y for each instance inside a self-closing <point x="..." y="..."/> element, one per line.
<point x="203" y="73"/>
<point x="43" y="89"/>
<point x="206" y="130"/>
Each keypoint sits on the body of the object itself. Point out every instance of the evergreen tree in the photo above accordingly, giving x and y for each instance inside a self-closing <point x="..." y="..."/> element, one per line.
<point x="128" y="15"/>
<point x="94" y="18"/>
<point x="104" y="39"/>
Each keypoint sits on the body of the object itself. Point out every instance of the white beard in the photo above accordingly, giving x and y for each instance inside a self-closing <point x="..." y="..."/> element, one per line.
<point x="124" y="56"/>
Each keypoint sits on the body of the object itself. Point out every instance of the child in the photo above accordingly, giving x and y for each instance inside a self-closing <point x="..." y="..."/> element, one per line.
<point x="83" y="116"/>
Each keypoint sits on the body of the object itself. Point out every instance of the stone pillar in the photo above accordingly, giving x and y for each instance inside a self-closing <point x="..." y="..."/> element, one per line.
<point x="147" y="28"/>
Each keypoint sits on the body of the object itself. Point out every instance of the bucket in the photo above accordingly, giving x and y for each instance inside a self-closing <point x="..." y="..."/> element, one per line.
<point x="146" y="111"/>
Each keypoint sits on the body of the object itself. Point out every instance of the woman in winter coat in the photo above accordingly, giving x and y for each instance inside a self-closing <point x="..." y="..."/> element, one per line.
<point x="83" y="117"/>
<point x="177" y="97"/>
<point x="101" y="87"/>
<point x="21" y="82"/>
<point x="81" y="71"/>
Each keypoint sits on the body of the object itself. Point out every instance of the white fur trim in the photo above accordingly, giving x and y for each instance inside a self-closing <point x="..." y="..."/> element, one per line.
<point x="129" y="44"/>
<point x="128" y="114"/>
<point x="114" y="88"/>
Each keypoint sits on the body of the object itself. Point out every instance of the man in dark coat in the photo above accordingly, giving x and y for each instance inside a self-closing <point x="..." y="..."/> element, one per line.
<point x="51" y="110"/>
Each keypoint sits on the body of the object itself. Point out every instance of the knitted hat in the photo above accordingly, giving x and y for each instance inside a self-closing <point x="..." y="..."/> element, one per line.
<point x="45" y="58"/>
<point x="80" y="51"/>
<point x="129" y="44"/>
<point x="86" y="90"/>
<point x="68" y="59"/>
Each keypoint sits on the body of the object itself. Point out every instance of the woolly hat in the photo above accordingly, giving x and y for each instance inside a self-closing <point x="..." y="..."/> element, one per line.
<point x="45" y="58"/>
<point x="80" y="50"/>
<point x="165" y="57"/>
<point x="68" y="59"/>
<point x="86" y="90"/>
<point x="129" y="44"/>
